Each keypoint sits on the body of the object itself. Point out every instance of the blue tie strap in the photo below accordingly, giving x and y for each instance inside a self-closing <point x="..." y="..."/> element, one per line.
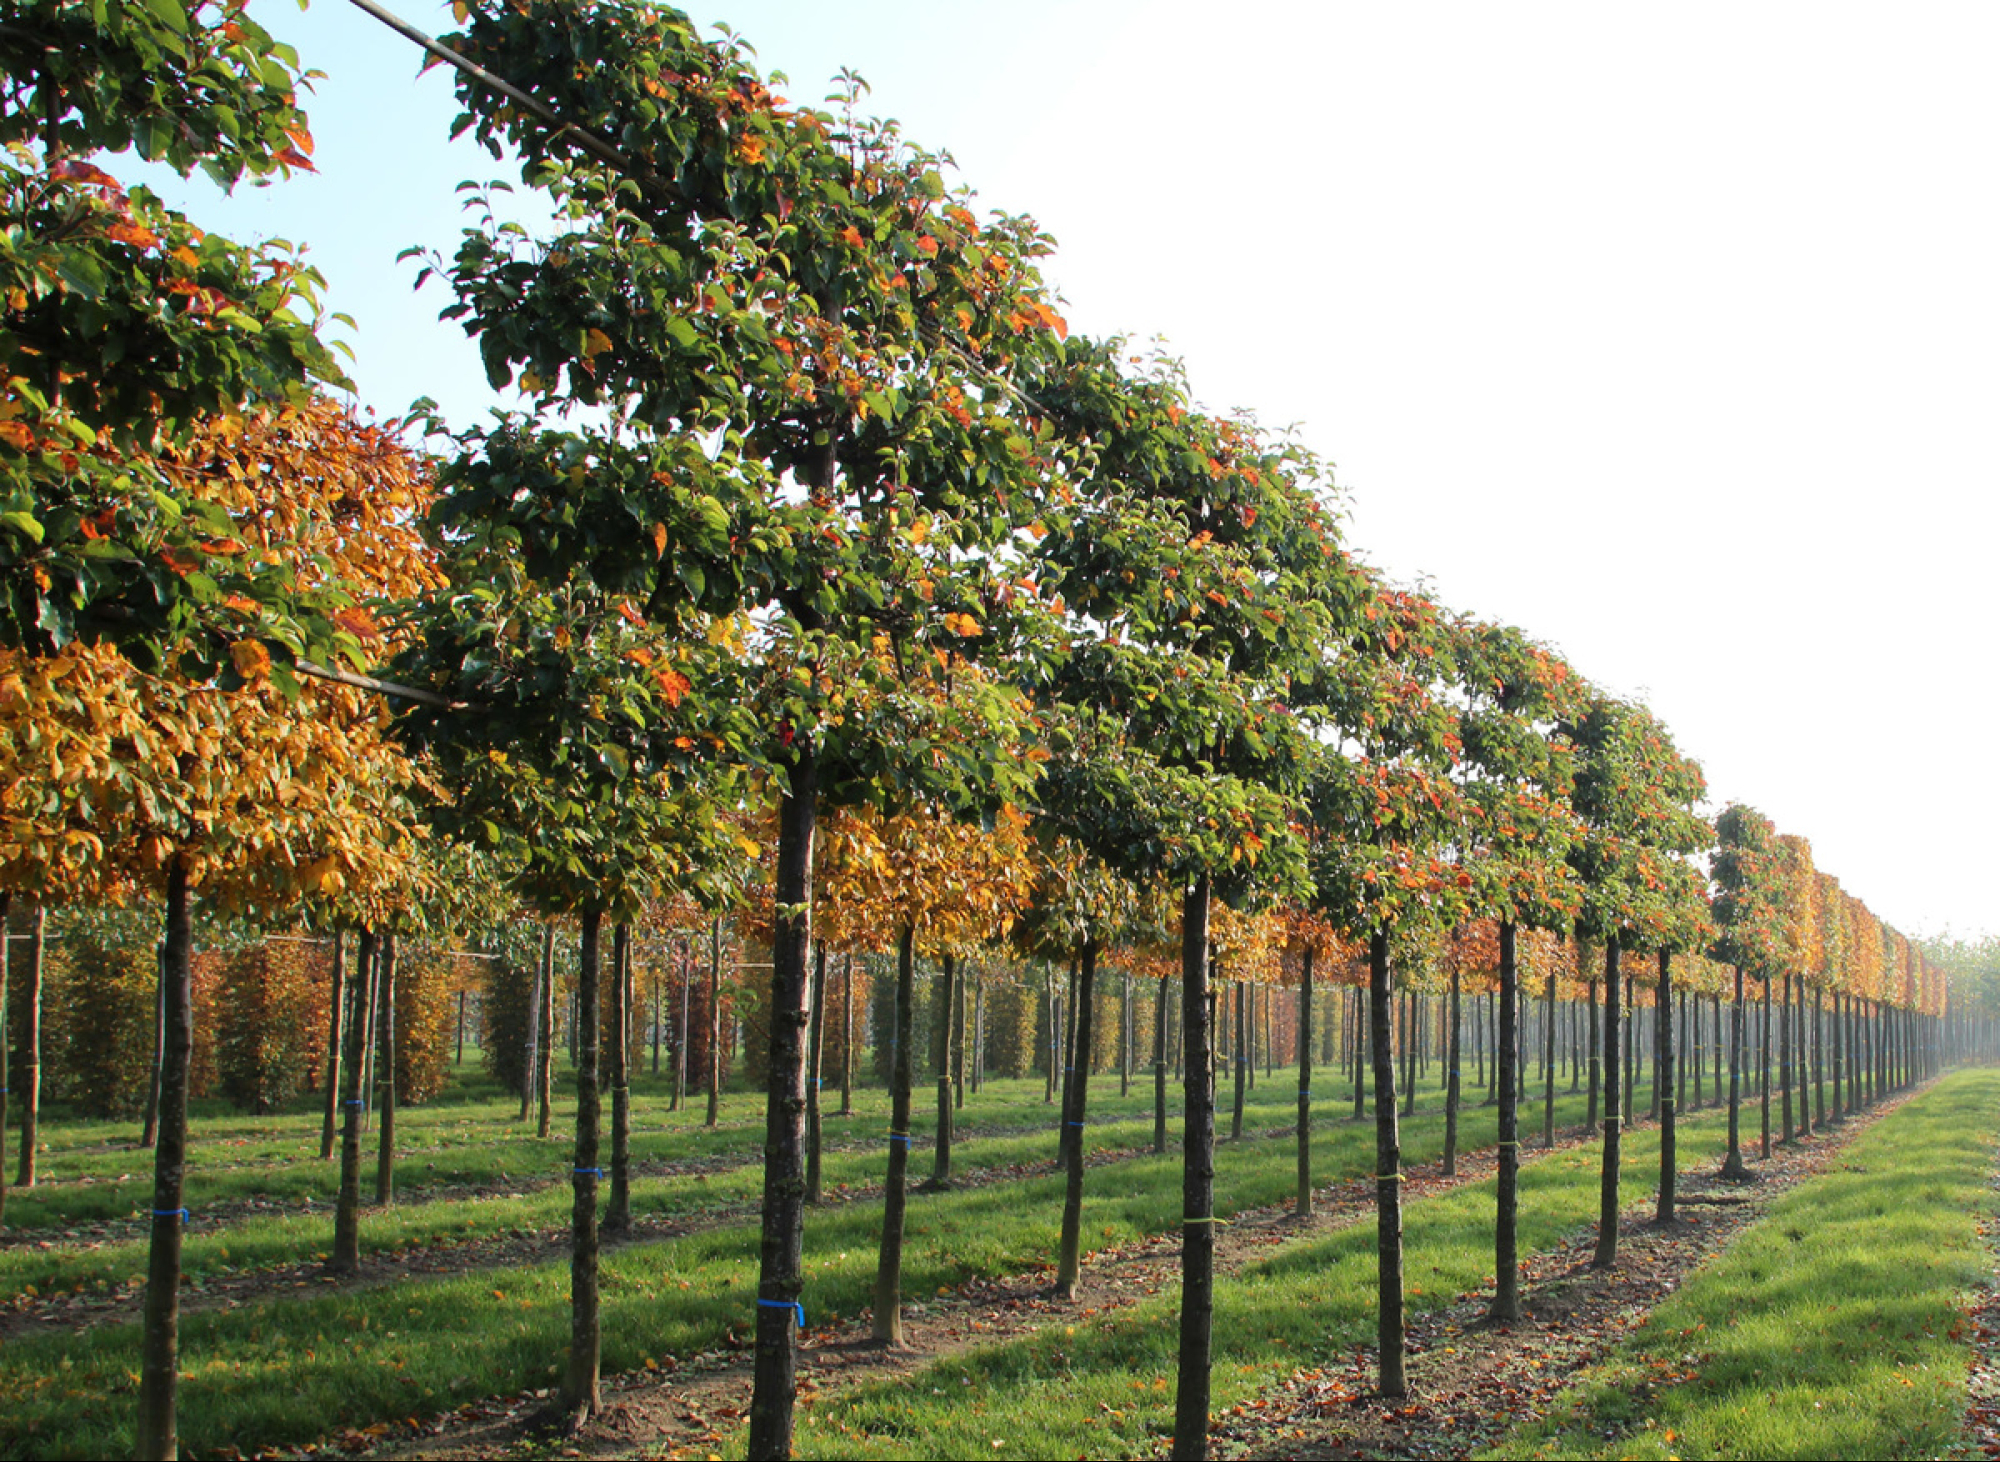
<point x="797" y="1309"/>
<point x="181" y="1213"/>
<point x="588" y="1172"/>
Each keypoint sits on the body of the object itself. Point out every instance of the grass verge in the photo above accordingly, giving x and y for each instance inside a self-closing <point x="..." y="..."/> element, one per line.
<point x="1829" y="1328"/>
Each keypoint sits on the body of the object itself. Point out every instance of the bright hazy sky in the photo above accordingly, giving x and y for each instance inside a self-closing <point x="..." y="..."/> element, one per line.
<point x="1671" y="334"/>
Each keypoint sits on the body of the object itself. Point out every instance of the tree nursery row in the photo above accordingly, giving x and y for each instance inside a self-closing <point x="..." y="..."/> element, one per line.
<point x="821" y="605"/>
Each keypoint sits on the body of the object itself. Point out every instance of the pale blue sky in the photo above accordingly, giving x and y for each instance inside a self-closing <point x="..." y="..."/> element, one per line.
<point x="1667" y="334"/>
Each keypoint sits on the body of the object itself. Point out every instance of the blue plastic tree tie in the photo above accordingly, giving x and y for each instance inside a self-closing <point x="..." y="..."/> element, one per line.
<point x="902" y="1137"/>
<point x="796" y="1309"/>
<point x="180" y="1213"/>
<point x="593" y="1172"/>
<point x="1072" y="1124"/>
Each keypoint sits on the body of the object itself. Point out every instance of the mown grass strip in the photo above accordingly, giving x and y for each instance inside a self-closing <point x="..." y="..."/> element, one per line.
<point x="282" y="1373"/>
<point x="1827" y="1328"/>
<point x="1104" y="1388"/>
<point x="992" y="1139"/>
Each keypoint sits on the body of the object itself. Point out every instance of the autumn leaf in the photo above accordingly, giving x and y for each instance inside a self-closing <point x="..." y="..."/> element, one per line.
<point x="962" y="625"/>
<point x="252" y="660"/>
<point x="851" y="236"/>
<point x="131" y="233"/>
<point x="673" y="685"/>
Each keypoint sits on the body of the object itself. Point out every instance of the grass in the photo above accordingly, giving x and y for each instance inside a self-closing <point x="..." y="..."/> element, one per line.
<point x="1830" y="1328"/>
<point x="289" y="1372"/>
<point x="1105" y="1389"/>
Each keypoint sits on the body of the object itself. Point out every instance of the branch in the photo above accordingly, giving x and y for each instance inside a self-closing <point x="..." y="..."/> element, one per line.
<point x="380" y="687"/>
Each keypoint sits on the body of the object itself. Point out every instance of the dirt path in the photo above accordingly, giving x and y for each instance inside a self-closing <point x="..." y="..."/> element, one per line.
<point x="687" y="1409"/>
<point x="1979" y="1434"/>
<point x="1476" y="1381"/>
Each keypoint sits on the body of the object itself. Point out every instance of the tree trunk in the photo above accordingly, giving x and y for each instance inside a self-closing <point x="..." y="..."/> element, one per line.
<point x="579" y="1398"/>
<point x="1839" y="1053"/>
<point x="958" y="1036"/>
<point x="815" y="1041"/>
<point x="31" y="1053"/>
<point x="1360" y="1053"/>
<point x="847" y="1034"/>
<point x="1304" y="1206"/>
<point x="371" y="1030"/>
<point x="714" y="1021"/>
<point x="1591" y="1057"/>
<point x="618" y="1039"/>
<point x="1197" y="1318"/>
<point x="1785" y="1060"/>
<point x="346" y="1255"/>
<point x="1506" y="1260"/>
<point x="686" y="1023"/>
<point x="1160" y="1069"/>
<point x="1451" y="1091"/>
<point x="1663" y="1001"/>
<point x="1069" y="1058"/>
<point x="159" y="1374"/>
<point x="944" y="991"/>
<point x="385" y="1079"/>
<point x="1819" y="1060"/>
<point x="1125" y="1041"/>
<point x="1242" y="1060"/>
<point x="781" y="1263"/>
<point x="1549" y="1064"/>
<point x="149" y="1133"/>
<point x="1764" y="1069"/>
<point x="888" y="1327"/>
<point x="1607" y="1213"/>
<point x="545" y="1058"/>
<point x="1732" y="1162"/>
<point x="1068" y="1259"/>
<point x="335" y="1066"/>
<point x="1388" y="1174"/>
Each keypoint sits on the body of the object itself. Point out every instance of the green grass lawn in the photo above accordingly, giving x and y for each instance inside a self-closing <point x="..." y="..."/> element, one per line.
<point x="288" y="1371"/>
<point x="1830" y="1327"/>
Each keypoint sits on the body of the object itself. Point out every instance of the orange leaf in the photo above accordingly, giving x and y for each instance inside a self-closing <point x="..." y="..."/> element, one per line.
<point x="253" y="661"/>
<point x="673" y="685"/>
<point x="852" y="236"/>
<point x="133" y="234"/>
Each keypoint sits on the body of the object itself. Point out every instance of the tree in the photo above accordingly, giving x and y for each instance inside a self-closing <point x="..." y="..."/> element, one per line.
<point x="1748" y="916"/>
<point x="1518" y="771"/>
<point x="1635" y="793"/>
<point x="124" y="327"/>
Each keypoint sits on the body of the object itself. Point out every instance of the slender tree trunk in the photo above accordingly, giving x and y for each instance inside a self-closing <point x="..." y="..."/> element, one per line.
<point x="159" y="1363"/>
<point x="1242" y="1060"/>
<point x="150" y="1131"/>
<point x="1839" y="1053"/>
<point x="346" y="1255"/>
<point x="815" y="1042"/>
<point x="1125" y="1033"/>
<point x="1819" y="1059"/>
<point x="1663" y="1001"/>
<point x="1304" y="1206"/>
<point x="1053" y="1006"/>
<point x="1197" y="1317"/>
<point x="1695" y="1047"/>
<point x="1069" y="1060"/>
<point x="1715" y="1009"/>
<point x="460" y="1059"/>
<point x="1785" y="1059"/>
<point x="1160" y="1069"/>
<point x="1607" y="1214"/>
<point x="1068" y="1259"/>
<point x="385" y="1078"/>
<point x="579" y="1397"/>
<point x="1409" y="1025"/>
<point x="1764" y="1070"/>
<point x="1732" y="1162"/>
<point x="781" y="1261"/>
<point x="959" y="1027"/>
<point x="1388" y="1174"/>
<point x="714" y="1021"/>
<point x="1549" y="1064"/>
<point x="686" y="1028"/>
<point x="1506" y="1259"/>
<point x="371" y="1031"/>
<point x="1592" y="1058"/>
<point x="944" y="996"/>
<point x="1360" y="1054"/>
<point x="335" y="1028"/>
<point x="1451" y="1092"/>
<point x="659" y="1017"/>
<point x="545" y="1063"/>
<point x="888" y="1327"/>
<point x="847" y="1034"/>
<point x="30" y="1079"/>
<point x="1628" y="1021"/>
<point x="618" y="1040"/>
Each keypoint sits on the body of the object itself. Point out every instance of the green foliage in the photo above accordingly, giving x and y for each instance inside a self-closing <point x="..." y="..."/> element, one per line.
<point x="426" y="1020"/>
<point x="98" y="1017"/>
<point x="1010" y="1026"/>
<point x="1749" y="907"/>
<point x="506" y="1000"/>
<point x="122" y="324"/>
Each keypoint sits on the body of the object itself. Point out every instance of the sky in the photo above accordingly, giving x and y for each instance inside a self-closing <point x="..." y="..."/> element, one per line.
<point x="1666" y="333"/>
